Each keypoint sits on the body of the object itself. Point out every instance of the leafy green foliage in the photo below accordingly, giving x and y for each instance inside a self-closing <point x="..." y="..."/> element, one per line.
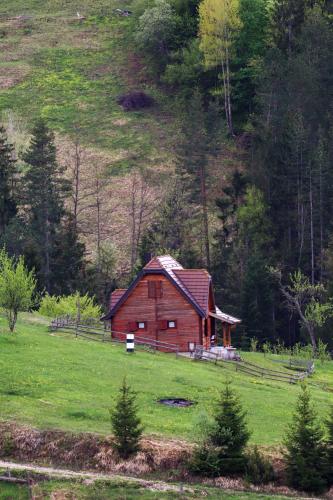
<point x="17" y="287"/>
<point x="156" y="31"/>
<point x="126" y="425"/>
<point x="53" y="306"/>
<point x="305" y="448"/>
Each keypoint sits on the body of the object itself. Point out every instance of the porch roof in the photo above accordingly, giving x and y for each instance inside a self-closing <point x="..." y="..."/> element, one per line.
<point x="225" y="318"/>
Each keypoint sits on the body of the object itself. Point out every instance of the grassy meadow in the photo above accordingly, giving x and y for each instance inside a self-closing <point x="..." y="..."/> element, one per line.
<point x="52" y="380"/>
<point x="71" y="71"/>
<point x="103" y="490"/>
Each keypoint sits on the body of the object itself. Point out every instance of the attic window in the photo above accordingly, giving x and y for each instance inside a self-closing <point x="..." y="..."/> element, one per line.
<point x="172" y="324"/>
<point x="155" y="289"/>
<point x="141" y="325"/>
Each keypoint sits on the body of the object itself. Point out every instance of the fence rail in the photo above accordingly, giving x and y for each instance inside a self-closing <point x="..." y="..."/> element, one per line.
<point x="250" y="368"/>
<point x="89" y="331"/>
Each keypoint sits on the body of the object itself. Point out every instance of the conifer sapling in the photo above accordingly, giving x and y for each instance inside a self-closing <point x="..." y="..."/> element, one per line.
<point x="305" y="448"/>
<point x="126" y="424"/>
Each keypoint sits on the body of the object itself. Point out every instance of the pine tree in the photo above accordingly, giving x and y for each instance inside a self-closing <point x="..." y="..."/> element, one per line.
<point x="305" y="448"/>
<point x="329" y="425"/>
<point x="126" y="425"/>
<point x="67" y="257"/>
<point x="45" y="190"/>
<point x="287" y="19"/>
<point x="7" y="171"/>
<point x="223" y="452"/>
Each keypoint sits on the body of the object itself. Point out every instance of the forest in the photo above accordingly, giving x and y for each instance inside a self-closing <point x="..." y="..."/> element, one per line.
<point x="239" y="180"/>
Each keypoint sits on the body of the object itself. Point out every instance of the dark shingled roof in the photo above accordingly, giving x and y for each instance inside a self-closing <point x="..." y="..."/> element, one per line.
<point x="197" y="283"/>
<point x="116" y="295"/>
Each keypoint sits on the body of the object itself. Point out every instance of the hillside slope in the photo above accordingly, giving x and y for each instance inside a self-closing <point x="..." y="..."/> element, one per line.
<point x="71" y="71"/>
<point x="56" y="381"/>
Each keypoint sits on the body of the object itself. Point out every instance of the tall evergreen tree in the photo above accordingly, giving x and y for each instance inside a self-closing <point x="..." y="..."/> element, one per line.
<point x="45" y="191"/>
<point x="53" y="244"/>
<point x="287" y="19"/>
<point x="7" y="170"/>
<point x="305" y="448"/>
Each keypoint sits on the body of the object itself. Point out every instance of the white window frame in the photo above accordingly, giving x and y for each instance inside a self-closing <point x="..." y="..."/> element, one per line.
<point x="141" y="325"/>
<point x="171" y="321"/>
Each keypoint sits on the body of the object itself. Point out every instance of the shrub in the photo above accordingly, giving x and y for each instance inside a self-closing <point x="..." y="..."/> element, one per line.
<point x="258" y="470"/>
<point x="222" y="452"/>
<point x="254" y="344"/>
<point x="135" y="100"/>
<point x="126" y="425"/>
<point x="17" y="287"/>
<point x="53" y="306"/>
<point x="305" y="448"/>
<point x="322" y="352"/>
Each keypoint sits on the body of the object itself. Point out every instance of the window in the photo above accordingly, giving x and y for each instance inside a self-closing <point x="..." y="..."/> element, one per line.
<point x="141" y="325"/>
<point x="172" y="324"/>
<point x="155" y="289"/>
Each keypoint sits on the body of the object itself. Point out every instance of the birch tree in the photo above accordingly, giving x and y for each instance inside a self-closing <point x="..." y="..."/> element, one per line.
<point x="306" y="300"/>
<point x="219" y="22"/>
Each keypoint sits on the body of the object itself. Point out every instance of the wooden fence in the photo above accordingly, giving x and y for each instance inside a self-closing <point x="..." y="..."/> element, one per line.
<point x="91" y="330"/>
<point x="251" y="368"/>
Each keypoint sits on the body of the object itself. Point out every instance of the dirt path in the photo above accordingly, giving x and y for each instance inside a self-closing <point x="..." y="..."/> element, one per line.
<point x="91" y="476"/>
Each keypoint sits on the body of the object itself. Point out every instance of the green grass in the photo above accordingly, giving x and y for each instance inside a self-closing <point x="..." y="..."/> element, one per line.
<point x="71" y="74"/>
<point x="13" y="492"/>
<point x="56" y="381"/>
<point x="103" y="490"/>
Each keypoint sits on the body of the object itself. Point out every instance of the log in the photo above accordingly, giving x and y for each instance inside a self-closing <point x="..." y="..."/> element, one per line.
<point x="9" y="479"/>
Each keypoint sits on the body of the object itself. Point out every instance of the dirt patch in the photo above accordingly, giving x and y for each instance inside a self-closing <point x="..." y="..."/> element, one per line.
<point x="11" y="76"/>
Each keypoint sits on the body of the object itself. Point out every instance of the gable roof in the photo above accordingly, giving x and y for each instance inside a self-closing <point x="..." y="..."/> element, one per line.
<point x="167" y="266"/>
<point x="194" y="284"/>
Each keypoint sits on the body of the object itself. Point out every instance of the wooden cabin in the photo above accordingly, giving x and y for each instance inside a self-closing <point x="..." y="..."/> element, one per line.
<point x="168" y="303"/>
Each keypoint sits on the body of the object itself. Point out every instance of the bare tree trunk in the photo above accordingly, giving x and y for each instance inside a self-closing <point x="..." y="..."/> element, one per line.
<point x="133" y="220"/>
<point x="229" y="93"/>
<point x="205" y="214"/>
<point x="321" y="220"/>
<point x="76" y="183"/>
<point x="98" y="223"/>
<point x="47" y="252"/>
<point x="311" y="226"/>
<point x="225" y="91"/>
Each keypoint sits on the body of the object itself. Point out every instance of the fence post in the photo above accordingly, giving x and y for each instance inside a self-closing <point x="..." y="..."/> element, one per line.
<point x="130" y="342"/>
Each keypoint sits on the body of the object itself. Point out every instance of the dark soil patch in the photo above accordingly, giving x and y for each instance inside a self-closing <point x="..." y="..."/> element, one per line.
<point x="177" y="402"/>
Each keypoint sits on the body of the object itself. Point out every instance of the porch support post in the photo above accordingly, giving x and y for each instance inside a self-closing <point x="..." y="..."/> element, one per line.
<point x="224" y="328"/>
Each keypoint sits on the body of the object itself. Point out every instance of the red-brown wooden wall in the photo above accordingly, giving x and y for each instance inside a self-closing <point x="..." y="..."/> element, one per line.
<point x="171" y="306"/>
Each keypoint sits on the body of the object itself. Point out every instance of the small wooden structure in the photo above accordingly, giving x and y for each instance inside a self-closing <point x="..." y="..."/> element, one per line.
<point x="168" y="303"/>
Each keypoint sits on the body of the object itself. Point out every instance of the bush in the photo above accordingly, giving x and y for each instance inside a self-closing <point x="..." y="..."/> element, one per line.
<point x="17" y="287"/>
<point x="135" y="100"/>
<point x="254" y="344"/>
<point x="53" y="306"/>
<point x="258" y="470"/>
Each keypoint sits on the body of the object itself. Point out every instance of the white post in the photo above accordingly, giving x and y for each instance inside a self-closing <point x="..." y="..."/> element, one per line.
<point x="130" y="342"/>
